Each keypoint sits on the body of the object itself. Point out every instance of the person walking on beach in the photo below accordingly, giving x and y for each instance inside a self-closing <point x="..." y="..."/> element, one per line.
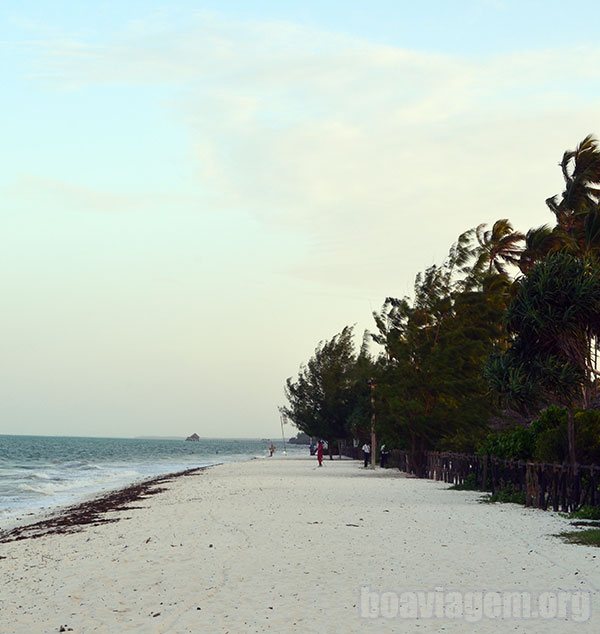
<point x="320" y="453"/>
<point x="271" y="450"/>
<point x="366" y="449"/>
<point x="384" y="456"/>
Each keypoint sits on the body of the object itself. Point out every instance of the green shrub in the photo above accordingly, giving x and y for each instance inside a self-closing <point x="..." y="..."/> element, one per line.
<point x="507" y="495"/>
<point x="586" y="513"/>
<point x="511" y="444"/>
<point x="551" y="441"/>
<point x="550" y="418"/>
<point x="551" y="446"/>
<point x="589" y="537"/>
<point x="462" y="441"/>
<point x="587" y="436"/>
<point x="469" y="484"/>
<point x="550" y="435"/>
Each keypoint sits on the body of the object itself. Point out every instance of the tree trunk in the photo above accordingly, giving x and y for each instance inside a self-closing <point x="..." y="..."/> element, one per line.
<point x="330" y="447"/>
<point x="571" y="436"/>
<point x="416" y="455"/>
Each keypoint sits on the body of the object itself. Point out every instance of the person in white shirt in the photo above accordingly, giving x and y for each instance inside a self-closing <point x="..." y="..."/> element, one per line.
<point x="385" y="452"/>
<point x="366" y="449"/>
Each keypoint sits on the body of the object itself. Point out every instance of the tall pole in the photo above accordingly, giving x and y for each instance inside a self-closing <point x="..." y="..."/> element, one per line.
<point x="373" y="436"/>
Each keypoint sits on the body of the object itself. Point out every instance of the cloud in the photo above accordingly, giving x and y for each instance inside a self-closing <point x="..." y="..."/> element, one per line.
<point x="379" y="155"/>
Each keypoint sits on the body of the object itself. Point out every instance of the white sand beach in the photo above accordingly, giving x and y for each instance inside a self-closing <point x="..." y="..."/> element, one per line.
<point x="279" y="545"/>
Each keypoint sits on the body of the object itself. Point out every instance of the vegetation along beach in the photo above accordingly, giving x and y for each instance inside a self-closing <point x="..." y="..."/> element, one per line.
<point x="300" y="317"/>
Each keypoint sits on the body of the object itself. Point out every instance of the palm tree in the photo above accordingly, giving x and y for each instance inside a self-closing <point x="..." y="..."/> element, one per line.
<point x="581" y="171"/>
<point x="498" y="247"/>
<point x="577" y="210"/>
<point x="539" y="242"/>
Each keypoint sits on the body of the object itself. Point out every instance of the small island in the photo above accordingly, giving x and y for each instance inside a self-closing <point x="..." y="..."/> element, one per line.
<point x="193" y="438"/>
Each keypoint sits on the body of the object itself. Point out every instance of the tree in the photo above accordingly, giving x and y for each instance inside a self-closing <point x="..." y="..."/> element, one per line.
<point x="431" y="388"/>
<point x="554" y="315"/>
<point x="576" y="210"/>
<point x="498" y="246"/>
<point x="581" y="172"/>
<point x="539" y="242"/>
<point x="322" y="397"/>
<point x="365" y="372"/>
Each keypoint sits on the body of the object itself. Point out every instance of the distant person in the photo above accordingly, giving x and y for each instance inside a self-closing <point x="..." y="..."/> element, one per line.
<point x="320" y="453"/>
<point x="271" y="450"/>
<point x="384" y="456"/>
<point x="366" y="449"/>
<point x="312" y="449"/>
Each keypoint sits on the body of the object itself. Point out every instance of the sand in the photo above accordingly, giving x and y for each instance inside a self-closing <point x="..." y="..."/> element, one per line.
<point x="279" y="545"/>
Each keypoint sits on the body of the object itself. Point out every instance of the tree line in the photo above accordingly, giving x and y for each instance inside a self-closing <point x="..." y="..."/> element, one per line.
<point x="496" y="351"/>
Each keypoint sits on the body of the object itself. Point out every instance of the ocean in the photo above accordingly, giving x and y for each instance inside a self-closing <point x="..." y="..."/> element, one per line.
<point x="41" y="473"/>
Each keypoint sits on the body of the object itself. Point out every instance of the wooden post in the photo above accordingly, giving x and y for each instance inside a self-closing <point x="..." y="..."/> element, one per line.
<point x="373" y="436"/>
<point x="484" y="477"/>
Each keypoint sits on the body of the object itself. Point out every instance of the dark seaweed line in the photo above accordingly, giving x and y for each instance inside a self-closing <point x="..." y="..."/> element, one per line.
<point x="75" y="518"/>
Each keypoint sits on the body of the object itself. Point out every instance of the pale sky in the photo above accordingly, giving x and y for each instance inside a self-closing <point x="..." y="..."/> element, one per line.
<point x="194" y="194"/>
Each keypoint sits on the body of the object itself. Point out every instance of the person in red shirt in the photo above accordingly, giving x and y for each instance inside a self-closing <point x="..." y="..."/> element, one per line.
<point x="320" y="453"/>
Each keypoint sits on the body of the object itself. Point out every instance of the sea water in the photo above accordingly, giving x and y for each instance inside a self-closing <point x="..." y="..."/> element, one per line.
<point x="41" y="473"/>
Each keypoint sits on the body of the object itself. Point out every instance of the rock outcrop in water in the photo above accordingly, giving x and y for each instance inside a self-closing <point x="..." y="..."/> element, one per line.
<point x="193" y="438"/>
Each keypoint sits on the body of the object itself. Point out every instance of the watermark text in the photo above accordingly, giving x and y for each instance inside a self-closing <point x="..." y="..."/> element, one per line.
<point x="474" y="606"/>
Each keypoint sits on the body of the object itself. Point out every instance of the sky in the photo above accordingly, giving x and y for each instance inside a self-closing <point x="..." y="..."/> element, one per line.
<point x="194" y="194"/>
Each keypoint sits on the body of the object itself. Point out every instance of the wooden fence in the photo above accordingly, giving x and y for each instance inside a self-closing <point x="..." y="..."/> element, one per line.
<point x="560" y="487"/>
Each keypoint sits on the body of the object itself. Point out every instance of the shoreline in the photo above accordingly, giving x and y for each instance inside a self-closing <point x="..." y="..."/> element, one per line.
<point x="40" y="474"/>
<point x="73" y="517"/>
<point x="25" y="516"/>
<point x="280" y="545"/>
